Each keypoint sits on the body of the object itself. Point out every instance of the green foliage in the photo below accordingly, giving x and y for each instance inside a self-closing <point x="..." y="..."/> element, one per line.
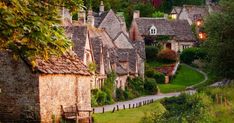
<point x="106" y="94"/>
<point x="119" y="94"/>
<point x="167" y="56"/>
<point x="151" y="73"/>
<point x="184" y="108"/>
<point x="30" y="27"/>
<point x="135" y="86"/>
<point x="188" y="2"/>
<point x="190" y="54"/>
<point x="159" y="77"/>
<point x="220" y="28"/>
<point x="151" y="52"/>
<point x="92" y="67"/>
<point x="150" y="86"/>
<point x="123" y="94"/>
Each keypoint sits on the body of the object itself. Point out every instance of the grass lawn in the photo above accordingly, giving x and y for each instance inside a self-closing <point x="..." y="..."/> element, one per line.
<point x="128" y="115"/>
<point x="185" y="77"/>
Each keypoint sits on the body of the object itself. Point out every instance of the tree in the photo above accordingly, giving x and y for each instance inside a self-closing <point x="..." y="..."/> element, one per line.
<point x="220" y="42"/>
<point x="31" y="27"/>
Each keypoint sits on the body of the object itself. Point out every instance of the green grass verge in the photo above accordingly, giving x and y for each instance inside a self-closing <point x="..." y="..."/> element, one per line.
<point x="128" y="115"/>
<point x="185" y="77"/>
<point x="222" y="113"/>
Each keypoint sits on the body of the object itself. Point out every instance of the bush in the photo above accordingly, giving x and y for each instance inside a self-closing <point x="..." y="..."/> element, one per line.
<point x="150" y="73"/>
<point x="150" y="86"/>
<point x="159" y="77"/>
<point x="167" y="56"/>
<point x="151" y="52"/>
<point x="158" y="14"/>
<point x="191" y="54"/>
<point x="188" y="108"/>
<point x="119" y="94"/>
<point x="183" y="109"/>
<point x="101" y="97"/>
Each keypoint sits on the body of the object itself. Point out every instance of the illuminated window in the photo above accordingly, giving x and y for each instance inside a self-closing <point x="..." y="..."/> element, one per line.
<point x="173" y="16"/>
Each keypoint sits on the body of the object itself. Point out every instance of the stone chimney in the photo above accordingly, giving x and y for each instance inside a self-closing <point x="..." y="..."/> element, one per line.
<point x="66" y="17"/>
<point x="82" y="16"/>
<point x="136" y="14"/>
<point x="90" y="17"/>
<point x="101" y="8"/>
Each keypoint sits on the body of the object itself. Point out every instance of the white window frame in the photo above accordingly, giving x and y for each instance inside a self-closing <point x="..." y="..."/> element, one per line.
<point x="153" y="30"/>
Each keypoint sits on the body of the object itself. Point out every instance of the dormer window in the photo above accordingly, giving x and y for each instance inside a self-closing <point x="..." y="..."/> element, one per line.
<point x="153" y="30"/>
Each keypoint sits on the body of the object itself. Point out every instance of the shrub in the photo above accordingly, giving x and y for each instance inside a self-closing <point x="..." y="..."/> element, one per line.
<point x="151" y="52"/>
<point x="119" y="94"/>
<point x="191" y="54"/>
<point x="101" y="97"/>
<point x="159" y="77"/>
<point x="187" y="108"/>
<point x="150" y="86"/>
<point x="167" y="56"/>
<point x="158" y="14"/>
<point x="150" y="73"/>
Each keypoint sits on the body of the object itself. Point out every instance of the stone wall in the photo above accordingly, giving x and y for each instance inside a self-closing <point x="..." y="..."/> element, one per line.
<point x="121" y="81"/>
<point x="19" y="98"/>
<point x="65" y="90"/>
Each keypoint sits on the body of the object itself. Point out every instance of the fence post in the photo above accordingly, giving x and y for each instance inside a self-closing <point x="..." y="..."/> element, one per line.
<point x="93" y="110"/>
<point x="123" y="106"/>
<point x="129" y="106"/>
<point x="225" y="101"/>
<point x="103" y="110"/>
<point x="221" y="99"/>
<point x="133" y="106"/>
<point x="217" y="98"/>
<point x="117" y="107"/>
<point x="113" y="110"/>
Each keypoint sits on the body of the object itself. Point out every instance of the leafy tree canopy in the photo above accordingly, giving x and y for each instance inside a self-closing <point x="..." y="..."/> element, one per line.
<point x="220" y="42"/>
<point x="31" y="27"/>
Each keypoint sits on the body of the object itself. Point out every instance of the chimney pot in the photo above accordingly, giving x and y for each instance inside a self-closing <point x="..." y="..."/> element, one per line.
<point x="136" y="14"/>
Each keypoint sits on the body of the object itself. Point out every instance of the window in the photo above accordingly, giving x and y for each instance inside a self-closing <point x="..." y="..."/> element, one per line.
<point x="185" y="46"/>
<point x="153" y="30"/>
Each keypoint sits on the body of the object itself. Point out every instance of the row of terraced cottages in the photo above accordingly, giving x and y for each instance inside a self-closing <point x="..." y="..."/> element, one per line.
<point x="35" y="92"/>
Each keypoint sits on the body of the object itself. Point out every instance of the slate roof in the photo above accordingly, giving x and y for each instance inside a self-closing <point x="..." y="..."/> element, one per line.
<point x="120" y="70"/>
<point x="123" y="56"/>
<point x="101" y="40"/>
<point x="163" y="26"/>
<point x="104" y="37"/>
<point x="122" y="41"/>
<point x="196" y="10"/>
<point x="140" y="48"/>
<point x="131" y="56"/>
<point x="183" y="31"/>
<point x="96" y="44"/>
<point x="176" y="10"/>
<point x="68" y="63"/>
<point x="109" y="21"/>
<point x="99" y="18"/>
<point x="78" y="35"/>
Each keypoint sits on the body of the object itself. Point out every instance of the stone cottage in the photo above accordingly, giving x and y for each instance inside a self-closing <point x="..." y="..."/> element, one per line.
<point x="102" y="36"/>
<point x="191" y="13"/>
<point x="36" y="92"/>
<point x="176" y="35"/>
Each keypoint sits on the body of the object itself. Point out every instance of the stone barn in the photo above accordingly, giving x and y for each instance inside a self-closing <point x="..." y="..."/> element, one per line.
<point x="36" y="92"/>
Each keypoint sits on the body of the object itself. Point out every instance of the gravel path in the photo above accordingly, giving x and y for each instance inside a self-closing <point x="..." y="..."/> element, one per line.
<point x="137" y="101"/>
